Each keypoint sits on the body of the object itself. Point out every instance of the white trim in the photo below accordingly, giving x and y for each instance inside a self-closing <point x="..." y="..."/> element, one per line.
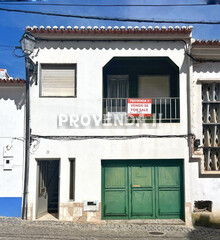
<point x="208" y="80"/>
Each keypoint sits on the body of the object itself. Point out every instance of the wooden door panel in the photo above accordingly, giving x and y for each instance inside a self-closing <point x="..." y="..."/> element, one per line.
<point x="115" y="203"/>
<point x="169" y="176"/>
<point x="142" y="176"/>
<point x="169" y="202"/>
<point x="115" y="177"/>
<point x="142" y="203"/>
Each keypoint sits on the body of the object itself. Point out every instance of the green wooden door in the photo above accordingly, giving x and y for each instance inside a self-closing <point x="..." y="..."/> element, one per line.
<point x="116" y="192"/>
<point x="142" y="192"/>
<point x="142" y="189"/>
<point x="169" y="191"/>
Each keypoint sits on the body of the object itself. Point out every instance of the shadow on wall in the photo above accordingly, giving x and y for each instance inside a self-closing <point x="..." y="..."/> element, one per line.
<point x="16" y="94"/>
<point x="106" y="45"/>
<point x="206" y="67"/>
<point x="206" y="219"/>
<point x="206" y="226"/>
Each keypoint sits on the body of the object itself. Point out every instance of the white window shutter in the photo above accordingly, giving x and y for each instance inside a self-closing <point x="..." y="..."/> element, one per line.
<point x="58" y="81"/>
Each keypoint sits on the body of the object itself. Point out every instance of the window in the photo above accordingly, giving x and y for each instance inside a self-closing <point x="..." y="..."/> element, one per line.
<point x="58" y="80"/>
<point x="153" y="86"/>
<point x="72" y="179"/>
<point x="211" y="125"/>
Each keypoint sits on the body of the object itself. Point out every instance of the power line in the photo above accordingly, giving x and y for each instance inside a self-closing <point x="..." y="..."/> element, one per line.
<point x="110" y="18"/>
<point x="109" y="137"/>
<point x="111" y="5"/>
<point x="8" y="46"/>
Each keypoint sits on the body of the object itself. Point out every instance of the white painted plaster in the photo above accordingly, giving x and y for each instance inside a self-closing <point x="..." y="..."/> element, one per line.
<point x="12" y="126"/>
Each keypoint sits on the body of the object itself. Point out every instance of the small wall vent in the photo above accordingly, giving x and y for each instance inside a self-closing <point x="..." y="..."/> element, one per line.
<point x="203" y="206"/>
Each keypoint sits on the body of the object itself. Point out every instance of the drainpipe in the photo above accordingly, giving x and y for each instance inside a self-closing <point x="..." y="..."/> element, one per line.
<point x="27" y="142"/>
<point x="189" y="90"/>
<point x="188" y="212"/>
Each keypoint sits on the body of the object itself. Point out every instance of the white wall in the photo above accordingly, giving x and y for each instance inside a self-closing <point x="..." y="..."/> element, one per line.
<point x="12" y="107"/>
<point x="205" y="187"/>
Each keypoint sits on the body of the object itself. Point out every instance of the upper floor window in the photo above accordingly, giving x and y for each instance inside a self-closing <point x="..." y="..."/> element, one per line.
<point x="58" y="80"/>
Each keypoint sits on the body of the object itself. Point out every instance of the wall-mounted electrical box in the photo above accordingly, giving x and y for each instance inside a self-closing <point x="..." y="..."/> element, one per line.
<point x="90" y="206"/>
<point x="7" y="158"/>
<point x="7" y="163"/>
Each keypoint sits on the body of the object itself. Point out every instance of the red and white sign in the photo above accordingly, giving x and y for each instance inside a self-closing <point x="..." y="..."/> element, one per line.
<point x="139" y="106"/>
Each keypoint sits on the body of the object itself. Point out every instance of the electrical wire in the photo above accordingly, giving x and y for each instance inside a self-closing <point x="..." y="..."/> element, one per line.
<point x="110" y="18"/>
<point x="116" y="137"/>
<point x="145" y="40"/>
<point x="42" y="39"/>
<point x="16" y="55"/>
<point x="111" y="5"/>
<point x="8" y="46"/>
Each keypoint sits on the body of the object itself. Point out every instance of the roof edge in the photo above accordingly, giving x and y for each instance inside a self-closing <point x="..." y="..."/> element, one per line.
<point x="12" y="80"/>
<point x="109" y="32"/>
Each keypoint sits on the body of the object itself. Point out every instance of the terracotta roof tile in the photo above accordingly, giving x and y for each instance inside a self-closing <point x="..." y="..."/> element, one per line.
<point x="12" y="80"/>
<point x="209" y="42"/>
<point x="112" y="30"/>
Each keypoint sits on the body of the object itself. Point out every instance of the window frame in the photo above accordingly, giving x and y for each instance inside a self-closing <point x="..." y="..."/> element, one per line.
<point x="57" y="64"/>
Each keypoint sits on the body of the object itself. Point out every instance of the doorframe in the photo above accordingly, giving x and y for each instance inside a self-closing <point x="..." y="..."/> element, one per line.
<point x="37" y="183"/>
<point x="122" y="162"/>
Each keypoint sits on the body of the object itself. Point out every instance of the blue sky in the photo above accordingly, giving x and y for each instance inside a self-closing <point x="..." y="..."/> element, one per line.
<point x="12" y="24"/>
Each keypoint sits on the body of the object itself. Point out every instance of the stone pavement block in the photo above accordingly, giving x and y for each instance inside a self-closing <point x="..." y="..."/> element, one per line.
<point x="14" y="228"/>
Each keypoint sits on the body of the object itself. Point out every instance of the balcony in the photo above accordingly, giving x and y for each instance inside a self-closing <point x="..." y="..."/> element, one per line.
<point x="164" y="110"/>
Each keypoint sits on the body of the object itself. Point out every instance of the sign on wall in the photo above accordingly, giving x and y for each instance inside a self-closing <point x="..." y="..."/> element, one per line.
<point x="137" y="107"/>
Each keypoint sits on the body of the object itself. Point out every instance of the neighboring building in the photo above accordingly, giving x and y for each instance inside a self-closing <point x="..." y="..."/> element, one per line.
<point x="12" y="105"/>
<point x="83" y="172"/>
<point x="205" y="124"/>
<point x="4" y="74"/>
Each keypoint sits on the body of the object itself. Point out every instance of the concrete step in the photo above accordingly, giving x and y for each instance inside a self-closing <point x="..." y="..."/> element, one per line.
<point x="148" y="221"/>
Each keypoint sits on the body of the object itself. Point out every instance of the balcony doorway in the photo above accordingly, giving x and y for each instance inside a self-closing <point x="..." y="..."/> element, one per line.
<point x="154" y="78"/>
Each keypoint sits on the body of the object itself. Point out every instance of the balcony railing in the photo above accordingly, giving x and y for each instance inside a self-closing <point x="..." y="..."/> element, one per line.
<point x="162" y="110"/>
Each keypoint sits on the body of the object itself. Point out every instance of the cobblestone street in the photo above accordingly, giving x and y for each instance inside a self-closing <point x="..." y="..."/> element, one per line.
<point x="13" y="228"/>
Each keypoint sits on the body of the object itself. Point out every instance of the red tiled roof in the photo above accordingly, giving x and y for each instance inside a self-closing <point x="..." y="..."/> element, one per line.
<point x="207" y="42"/>
<point x="12" y="80"/>
<point x="109" y="30"/>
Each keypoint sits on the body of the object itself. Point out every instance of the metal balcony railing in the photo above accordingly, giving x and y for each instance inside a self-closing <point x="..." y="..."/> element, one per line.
<point x="162" y="109"/>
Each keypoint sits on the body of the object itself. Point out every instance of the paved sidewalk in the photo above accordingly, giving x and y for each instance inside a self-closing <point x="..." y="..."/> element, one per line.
<point x="14" y="228"/>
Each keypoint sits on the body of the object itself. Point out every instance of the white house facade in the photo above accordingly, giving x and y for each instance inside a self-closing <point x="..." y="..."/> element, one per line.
<point x="114" y="117"/>
<point x="205" y="162"/>
<point x="12" y="108"/>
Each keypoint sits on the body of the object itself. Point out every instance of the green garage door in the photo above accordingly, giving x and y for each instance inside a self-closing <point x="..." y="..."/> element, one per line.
<point x="142" y="189"/>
